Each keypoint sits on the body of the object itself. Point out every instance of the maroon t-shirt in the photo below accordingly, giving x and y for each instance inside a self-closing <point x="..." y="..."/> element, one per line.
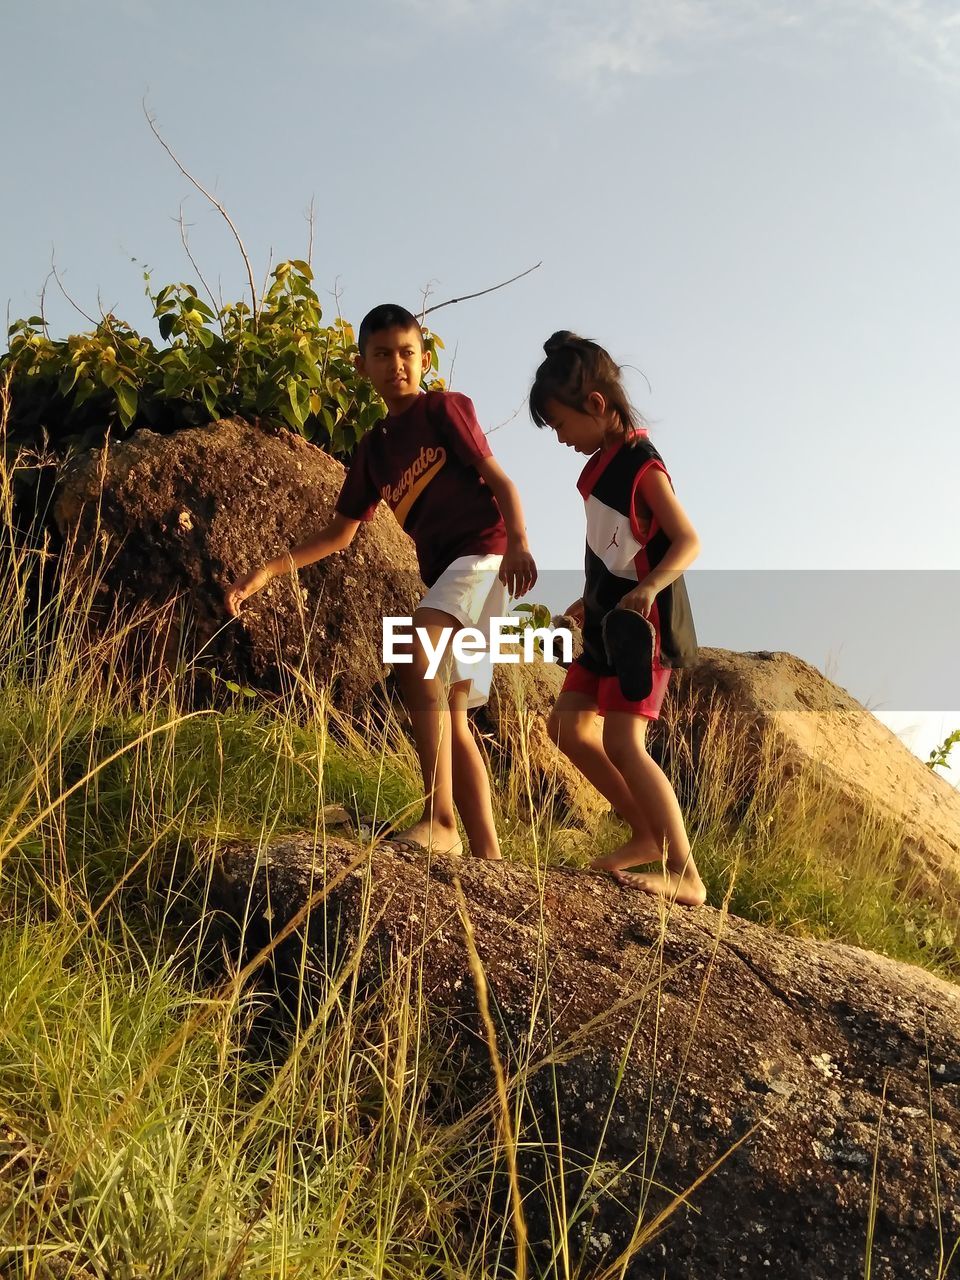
<point x="423" y="464"/>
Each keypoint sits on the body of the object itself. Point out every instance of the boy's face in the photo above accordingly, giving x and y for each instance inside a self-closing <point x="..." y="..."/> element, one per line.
<point x="395" y="362"/>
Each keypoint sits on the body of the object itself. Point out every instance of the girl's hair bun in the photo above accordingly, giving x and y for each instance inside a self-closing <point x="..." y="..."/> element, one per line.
<point x="556" y="341"/>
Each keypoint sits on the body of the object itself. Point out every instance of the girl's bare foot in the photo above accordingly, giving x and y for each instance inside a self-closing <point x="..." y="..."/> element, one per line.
<point x="685" y="888"/>
<point x="639" y="849"/>
<point x="427" y="837"/>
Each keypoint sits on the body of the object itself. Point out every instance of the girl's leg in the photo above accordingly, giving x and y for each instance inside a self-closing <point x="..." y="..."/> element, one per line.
<point x="471" y="786"/>
<point x="624" y="741"/>
<point x="426" y="702"/>
<point x="575" y="726"/>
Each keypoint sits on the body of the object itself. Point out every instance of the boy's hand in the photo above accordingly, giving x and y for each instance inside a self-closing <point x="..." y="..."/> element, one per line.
<point x="245" y="587"/>
<point x="640" y="599"/>
<point x="518" y="572"/>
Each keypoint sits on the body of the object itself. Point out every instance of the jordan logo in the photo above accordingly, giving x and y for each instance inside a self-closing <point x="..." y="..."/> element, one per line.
<point x="613" y="541"/>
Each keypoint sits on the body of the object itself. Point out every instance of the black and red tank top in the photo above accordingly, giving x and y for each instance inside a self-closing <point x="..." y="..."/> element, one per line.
<point x="620" y="553"/>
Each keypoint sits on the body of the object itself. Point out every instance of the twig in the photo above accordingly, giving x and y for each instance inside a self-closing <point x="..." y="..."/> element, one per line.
<point x="493" y="288"/>
<point x="216" y="204"/>
<point x="453" y="365"/>
<point x="266" y="279"/>
<point x="76" y="306"/>
<point x="186" y="248"/>
<point x="424" y="295"/>
<point x="337" y="297"/>
<point x="310" y="220"/>
<point x="43" y="300"/>
<point x="506" y="422"/>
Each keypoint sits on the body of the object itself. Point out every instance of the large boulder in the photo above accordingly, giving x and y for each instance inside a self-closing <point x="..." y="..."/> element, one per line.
<point x="741" y="722"/>
<point x="779" y="1101"/>
<point x="183" y="515"/>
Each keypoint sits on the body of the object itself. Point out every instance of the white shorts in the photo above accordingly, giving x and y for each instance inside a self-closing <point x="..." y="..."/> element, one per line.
<point x="470" y="591"/>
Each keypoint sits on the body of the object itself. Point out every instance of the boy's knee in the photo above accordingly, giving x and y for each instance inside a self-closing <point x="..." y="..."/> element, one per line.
<point x="416" y="689"/>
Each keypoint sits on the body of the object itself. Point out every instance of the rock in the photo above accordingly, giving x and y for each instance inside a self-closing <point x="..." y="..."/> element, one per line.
<point x="740" y="721"/>
<point x="185" y="514"/>
<point x="781" y="1071"/>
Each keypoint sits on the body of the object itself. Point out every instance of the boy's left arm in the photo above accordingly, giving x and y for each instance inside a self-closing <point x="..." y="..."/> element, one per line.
<point x="656" y="491"/>
<point x="518" y="570"/>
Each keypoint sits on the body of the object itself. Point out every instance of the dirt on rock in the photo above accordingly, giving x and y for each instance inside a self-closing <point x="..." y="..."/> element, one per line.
<point x="736" y="1102"/>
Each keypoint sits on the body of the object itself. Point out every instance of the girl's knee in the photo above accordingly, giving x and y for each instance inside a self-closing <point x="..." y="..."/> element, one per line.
<point x="623" y="741"/>
<point x="568" y="731"/>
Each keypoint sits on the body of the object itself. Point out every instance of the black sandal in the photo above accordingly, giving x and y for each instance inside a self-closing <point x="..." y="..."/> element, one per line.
<point x="630" y="643"/>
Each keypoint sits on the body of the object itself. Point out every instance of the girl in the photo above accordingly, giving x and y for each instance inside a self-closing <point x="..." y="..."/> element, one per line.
<point x="634" y="613"/>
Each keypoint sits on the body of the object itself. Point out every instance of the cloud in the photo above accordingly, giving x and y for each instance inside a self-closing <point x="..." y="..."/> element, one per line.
<point x="620" y="38"/>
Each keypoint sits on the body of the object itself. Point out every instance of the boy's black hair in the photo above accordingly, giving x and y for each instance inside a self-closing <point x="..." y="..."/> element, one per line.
<point x="387" y="316"/>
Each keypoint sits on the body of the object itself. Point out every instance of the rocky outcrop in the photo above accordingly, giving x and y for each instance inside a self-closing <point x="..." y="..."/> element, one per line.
<point x="183" y="515"/>
<point x="741" y="722"/>
<point x="780" y="1101"/>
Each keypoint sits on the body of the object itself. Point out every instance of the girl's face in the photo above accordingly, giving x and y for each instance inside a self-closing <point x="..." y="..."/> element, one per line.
<point x="584" y="430"/>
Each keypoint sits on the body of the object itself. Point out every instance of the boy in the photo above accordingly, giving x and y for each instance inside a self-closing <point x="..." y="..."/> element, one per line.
<point x="431" y="463"/>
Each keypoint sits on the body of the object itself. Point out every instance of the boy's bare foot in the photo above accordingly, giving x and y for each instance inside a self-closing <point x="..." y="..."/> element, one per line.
<point x="685" y="888"/>
<point x="426" y="837"/>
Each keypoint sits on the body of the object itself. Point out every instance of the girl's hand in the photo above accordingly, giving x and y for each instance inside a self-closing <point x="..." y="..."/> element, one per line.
<point x="640" y="599"/>
<point x="518" y="572"/>
<point x="245" y="587"/>
<point x="575" y="612"/>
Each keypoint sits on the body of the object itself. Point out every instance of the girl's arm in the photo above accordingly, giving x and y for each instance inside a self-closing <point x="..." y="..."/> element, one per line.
<point x="657" y="493"/>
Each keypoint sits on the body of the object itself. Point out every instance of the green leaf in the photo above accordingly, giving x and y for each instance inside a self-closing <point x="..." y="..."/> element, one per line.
<point x="166" y="325"/>
<point x="293" y="394"/>
<point x="126" y="402"/>
<point x="209" y="396"/>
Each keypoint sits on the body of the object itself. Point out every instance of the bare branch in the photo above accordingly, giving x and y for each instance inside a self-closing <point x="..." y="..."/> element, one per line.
<point x="311" y="212"/>
<point x="506" y="422"/>
<point x="453" y="365"/>
<point x="337" y="297"/>
<point x="266" y="279"/>
<point x="184" y="240"/>
<point x="425" y="294"/>
<point x="43" y="302"/>
<point x="216" y="204"/>
<point x="493" y="288"/>
<point x="76" y="306"/>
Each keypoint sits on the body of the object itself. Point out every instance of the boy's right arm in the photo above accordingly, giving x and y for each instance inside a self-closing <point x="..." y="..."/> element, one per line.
<point x="335" y="536"/>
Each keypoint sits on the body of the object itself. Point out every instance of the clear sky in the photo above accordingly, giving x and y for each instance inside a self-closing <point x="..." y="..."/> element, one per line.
<point x="755" y="202"/>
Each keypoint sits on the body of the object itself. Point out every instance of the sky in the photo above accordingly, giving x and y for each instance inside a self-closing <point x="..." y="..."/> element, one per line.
<point x="753" y="204"/>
